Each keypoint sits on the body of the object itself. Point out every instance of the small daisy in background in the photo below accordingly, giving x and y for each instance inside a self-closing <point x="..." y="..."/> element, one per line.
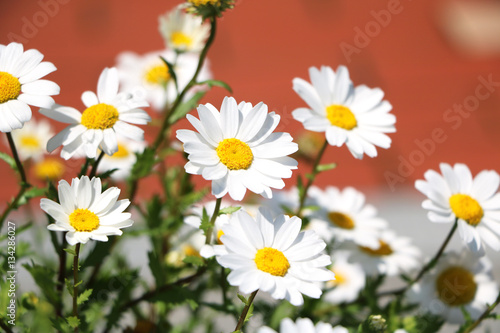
<point x="349" y="280"/>
<point x="344" y="216"/>
<point x="458" y="280"/>
<point x="85" y="212"/>
<point x="123" y="160"/>
<point x="273" y="255"/>
<point x="237" y="150"/>
<point x="354" y="116"/>
<point x="395" y="255"/>
<point x="21" y="85"/>
<point x="183" y="32"/>
<point x="148" y="75"/>
<point x="454" y="194"/>
<point x="49" y="168"/>
<point x="108" y="113"/>
<point x="183" y="243"/>
<point x="304" y="325"/>
<point x="31" y="140"/>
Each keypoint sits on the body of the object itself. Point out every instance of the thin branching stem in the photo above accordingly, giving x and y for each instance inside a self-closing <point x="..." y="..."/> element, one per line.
<point x="75" y="283"/>
<point x="93" y="171"/>
<point x="208" y="240"/>
<point x="244" y="313"/>
<point x="483" y="316"/>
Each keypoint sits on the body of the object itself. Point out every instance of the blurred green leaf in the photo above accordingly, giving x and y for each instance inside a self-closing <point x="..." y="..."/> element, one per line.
<point x="217" y="83"/>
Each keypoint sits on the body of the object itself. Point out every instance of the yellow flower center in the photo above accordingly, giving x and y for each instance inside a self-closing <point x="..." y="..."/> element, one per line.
<point x="383" y="250"/>
<point x="10" y="87"/>
<point x="235" y="154"/>
<point x="49" y="168"/>
<point x="219" y="235"/>
<point x="181" y="39"/>
<point x="203" y="2"/>
<point x="341" y="116"/>
<point x="466" y="208"/>
<point x="100" y="116"/>
<point x="83" y="220"/>
<point x="272" y="261"/>
<point x="158" y="75"/>
<point x="121" y="153"/>
<point x="456" y="286"/>
<point x="340" y="278"/>
<point x="29" y="141"/>
<point x="341" y="220"/>
<point x="189" y="250"/>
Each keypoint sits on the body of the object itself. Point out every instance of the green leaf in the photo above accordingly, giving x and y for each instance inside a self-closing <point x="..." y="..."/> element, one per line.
<point x="229" y="210"/>
<point x="186" y="107"/>
<point x="205" y="221"/>
<point x="44" y="277"/>
<point x="31" y="193"/>
<point x="69" y="286"/>
<point x="9" y="160"/>
<point x="144" y="164"/>
<point x="83" y="297"/>
<point x="106" y="174"/>
<point x="243" y="299"/>
<point x="171" y="71"/>
<point x="194" y="260"/>
<point x="217" y="83"/>
<point x="326" y="167"/>
<point x="70" y="251"/>
<point x="73" y="321"/>
<point x="156" y="268"/>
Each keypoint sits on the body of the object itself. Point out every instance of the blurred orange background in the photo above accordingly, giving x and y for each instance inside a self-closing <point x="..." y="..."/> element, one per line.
<point x="430" y="57"/>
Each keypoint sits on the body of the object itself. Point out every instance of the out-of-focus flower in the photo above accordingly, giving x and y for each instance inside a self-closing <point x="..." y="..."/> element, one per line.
<point x="31" y="140"/>
<point x="86" y="213"/>
<point x="474" y="202"/>
<point x="354" y="116"/>
<point x="458" y="280"/>
<point x="49" y="168"/>
<point x="21" y="85"/>
<point x="349" y="280"/>
<point x="304" y="325"/>
<point x="123" y="160"/>
<point x="209" y="8"/>
<point x="107" y="114"/>
<point x="183" y="32"/>
<point x="237" y="150"/>
<point x="274" y="256"/>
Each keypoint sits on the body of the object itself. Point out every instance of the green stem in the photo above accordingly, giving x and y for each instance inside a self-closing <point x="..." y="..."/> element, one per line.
<point x="94" y="166"/>
<point x="483" y="316"/>
<point x="61" y="276"/>
<point x="427" y="267"/>
<point x="75" y="282"/>
<point x="24" y="181"/>
<point x="244" y="313"/>
<point x="5" y="326"/>
<point x="310" y="180"/>
<point x="191" y="83"/>
<point x="212" y="221"/>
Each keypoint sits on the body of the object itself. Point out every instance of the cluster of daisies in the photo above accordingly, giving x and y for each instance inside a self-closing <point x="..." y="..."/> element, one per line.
<point x="329" y="253"/>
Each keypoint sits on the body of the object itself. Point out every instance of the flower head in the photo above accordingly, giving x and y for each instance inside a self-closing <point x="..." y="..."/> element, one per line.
<point x="21" y="85"/>
<point x="356" y="116"/>
<point x="304" y="325"/>
<point x="237" y="150"/>
<point x="49" y="168"/>
<point x="183" y="32"/>
<point x="32" y="139"/>
<point x="475" y="203"/>
<point x="209" y="8"/>
<point x="107" y="114"/>
<point x="86" y="213"/>
<point x="273" y="255"/>
<point x="123" y="160"/>
<point x="349" y="280"/>
<point x="458" y="280"/>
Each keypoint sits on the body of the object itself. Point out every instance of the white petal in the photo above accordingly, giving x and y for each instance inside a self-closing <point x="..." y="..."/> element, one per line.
<point x="89" y="98"/>
<point x="107" y="86"/>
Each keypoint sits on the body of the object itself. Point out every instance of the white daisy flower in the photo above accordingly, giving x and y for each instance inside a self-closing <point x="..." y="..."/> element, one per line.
<point x="32" y="139"/>
<point x="183" y="32"/>
<point x="457" y="280"/>
<point x="184" y="242"/>
<point x="237" y="150"/>
<point x="349" y="280"/>
<point x="107" y="114"/>
<point x="86" y="213"/>
<point x="148" y="75"/>
<point x="344" y="216"/>
<point x="474" y="202"/>
<point x="304" y="325"/>
<point x="20" y="85"/>
<point x="395" y="255"/>
<point x="356" y="116"/>
<point x="288" y="199"/>
<point x="123" y="160"/>
<point x="274" y="256"/>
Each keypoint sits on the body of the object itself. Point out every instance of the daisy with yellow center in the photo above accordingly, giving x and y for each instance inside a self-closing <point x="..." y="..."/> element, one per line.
<point x="474" y="202"/>
<point x="344" y="216"/>
<point x="107" y="114"/>
<point x="304" y="325"/>
<point x="183" y="32"/>
<point x="148" y="75"/>
<point x="394" y="255"/>
<point x="86" y="213"/>
<point x="21" y="85"/>
<point x="349" y="280"/>
<point x="458" y="280"/>
<point x="237" y="150"/>
<point x="123" y="160"/>
<point x="354" y="116"/>
<point x="49" y="168"/>
<point x="32" y="139"/>
<point x="273" y="255"/>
